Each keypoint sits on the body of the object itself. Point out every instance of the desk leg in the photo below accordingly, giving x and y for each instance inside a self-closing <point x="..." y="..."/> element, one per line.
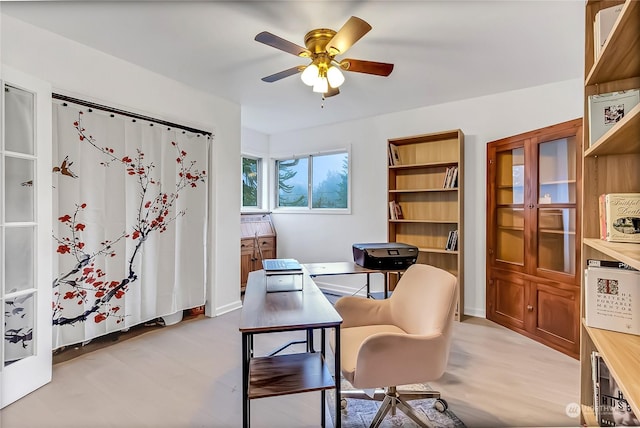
<point x="386" y="285"/>
<point x="323" y="394"/>
<point x="338" y="376"/>
<point x="310" y="347"/>
<point x="247" y="351"/>
<point x="368" y="285"/>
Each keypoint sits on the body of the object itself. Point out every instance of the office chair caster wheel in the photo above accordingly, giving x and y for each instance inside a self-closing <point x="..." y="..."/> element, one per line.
<point x="440" y="405"/>
<point x="343" y="403"/>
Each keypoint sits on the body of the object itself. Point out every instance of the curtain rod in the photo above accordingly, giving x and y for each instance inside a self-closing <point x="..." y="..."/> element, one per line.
<point x="126" y="113"/>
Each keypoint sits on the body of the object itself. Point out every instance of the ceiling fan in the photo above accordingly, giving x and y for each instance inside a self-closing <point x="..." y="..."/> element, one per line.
<point x="323" y="73"/>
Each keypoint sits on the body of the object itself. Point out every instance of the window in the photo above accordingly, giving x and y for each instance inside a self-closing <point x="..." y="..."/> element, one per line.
<point x="314" y="182"/>
<point x="251" y="182"/>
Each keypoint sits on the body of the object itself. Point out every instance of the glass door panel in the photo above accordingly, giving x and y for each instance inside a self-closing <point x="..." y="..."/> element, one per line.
<point x="557" y="239"/>
<point x="557" y="171"/>
<point x="556" y="231"/>
<point x="510" y="175"/>
<point x="19" y="259"/>
<point x="19" y="108"/>
<point x="19" y="194"/>
<point x="19" y="317"/>
<point x="510" y="235"/>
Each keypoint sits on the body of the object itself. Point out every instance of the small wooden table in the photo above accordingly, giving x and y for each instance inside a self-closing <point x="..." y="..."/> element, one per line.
<point x="273" y="375"/>
<point x="351" y="268"/>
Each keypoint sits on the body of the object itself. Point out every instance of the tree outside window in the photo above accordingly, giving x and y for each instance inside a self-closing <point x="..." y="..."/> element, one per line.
<point x="326" y="177"/>
<point x="251" y="182"/>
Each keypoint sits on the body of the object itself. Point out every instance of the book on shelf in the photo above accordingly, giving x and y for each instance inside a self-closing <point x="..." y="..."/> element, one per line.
<point x="447" y="246"/>
<point x="454" y="178"/>
<point x="395" y="211"/>
<point x="619" y="215"/>
<point x="394" y="155"/>
<point x="610" y="405"/>
<point x="595" y="357"/>
<point x="450" y="177"/>
<point x="609" y="264"/>
<point x="602" y="25"/>
<point x="452" y="241"/>
<point x="612" y="299"/>
<point x="447" y="172"/>
<point x="605" y="110"/>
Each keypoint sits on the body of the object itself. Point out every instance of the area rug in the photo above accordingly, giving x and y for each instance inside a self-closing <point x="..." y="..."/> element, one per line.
<point x="360" y="413"/>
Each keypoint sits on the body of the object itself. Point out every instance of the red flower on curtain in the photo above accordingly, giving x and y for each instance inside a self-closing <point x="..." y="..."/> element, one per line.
<point x="93" y="286"/>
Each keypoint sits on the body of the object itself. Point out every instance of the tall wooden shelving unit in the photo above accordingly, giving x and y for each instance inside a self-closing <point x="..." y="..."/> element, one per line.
<point x="430" y="211"/>
<point x="610" y="165"/>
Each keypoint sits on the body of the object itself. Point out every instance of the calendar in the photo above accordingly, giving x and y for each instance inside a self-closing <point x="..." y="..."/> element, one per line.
<point x="612" y="299"/>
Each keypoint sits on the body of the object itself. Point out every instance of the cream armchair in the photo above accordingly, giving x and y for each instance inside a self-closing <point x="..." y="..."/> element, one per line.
<point x="402" y="340"/>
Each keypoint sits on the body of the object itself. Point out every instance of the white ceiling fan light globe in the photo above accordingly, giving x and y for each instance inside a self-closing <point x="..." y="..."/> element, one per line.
<point x="310" y="75"/>
<point x="321" y="86"/>
<point x="335" y="76"/>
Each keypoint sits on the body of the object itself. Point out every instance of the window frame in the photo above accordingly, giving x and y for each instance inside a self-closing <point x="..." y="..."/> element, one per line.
<point x="260" y="188"/>
<point x="308" y="209"/>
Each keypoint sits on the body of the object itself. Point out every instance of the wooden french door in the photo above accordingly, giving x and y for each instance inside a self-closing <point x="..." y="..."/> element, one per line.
<point x="25" y="235"/>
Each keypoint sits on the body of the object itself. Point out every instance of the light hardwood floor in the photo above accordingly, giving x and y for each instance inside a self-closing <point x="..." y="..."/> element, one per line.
<point x="189" y="375"/>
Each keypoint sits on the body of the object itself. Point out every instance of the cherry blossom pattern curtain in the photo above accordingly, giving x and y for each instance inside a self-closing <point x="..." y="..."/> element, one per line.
<point x="130" y="222"/>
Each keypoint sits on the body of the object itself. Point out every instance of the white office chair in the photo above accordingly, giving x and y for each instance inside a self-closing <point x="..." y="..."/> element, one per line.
<point x="402" y="340"/>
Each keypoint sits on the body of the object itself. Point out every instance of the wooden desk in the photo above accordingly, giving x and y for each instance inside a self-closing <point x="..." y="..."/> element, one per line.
<point x="273" y="375"/>
<point x="351" y="268"/>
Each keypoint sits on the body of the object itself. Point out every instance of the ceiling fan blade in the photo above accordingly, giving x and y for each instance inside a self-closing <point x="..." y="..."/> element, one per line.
<point x="351" y="32"/>
<point x="369" y="67"/>
<point x="284" y="73"/>
<point x="282" y="44"/>
<point x="331" y="92"/>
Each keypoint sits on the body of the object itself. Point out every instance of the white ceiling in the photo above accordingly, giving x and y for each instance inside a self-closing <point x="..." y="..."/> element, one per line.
<point x="442" y="50"/>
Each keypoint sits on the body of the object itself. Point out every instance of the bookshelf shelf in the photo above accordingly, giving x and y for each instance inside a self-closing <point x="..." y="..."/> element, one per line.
<point x="626" y="253"/>
<point x="620" y="139"/>
<point x="610" y="165"/>
<point x="556" y="232"/>
<point x="556" y="182"/>
<point x="440" y="189"/>
<point x="424" y="221"/>
<point x="424" y="165"/>
<point x="431" y="211"/>
<point x="438" y="251"/>
<point x="621" y="41"/>
<point x="589" y="416"/>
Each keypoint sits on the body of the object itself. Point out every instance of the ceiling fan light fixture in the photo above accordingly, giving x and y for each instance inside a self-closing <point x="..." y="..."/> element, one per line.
<point x="324" y="73"/>
<point x="335" y="77"/>
<point x="310" y="75"/>
<point x="321" y="86"/>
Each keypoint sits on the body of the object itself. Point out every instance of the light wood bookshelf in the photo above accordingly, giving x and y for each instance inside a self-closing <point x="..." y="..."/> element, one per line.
<point x="430" y="210"/>
<point x="610" y="165"/>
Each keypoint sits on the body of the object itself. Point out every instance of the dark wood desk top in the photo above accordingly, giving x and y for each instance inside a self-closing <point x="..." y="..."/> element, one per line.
<point x="285" y="310"/>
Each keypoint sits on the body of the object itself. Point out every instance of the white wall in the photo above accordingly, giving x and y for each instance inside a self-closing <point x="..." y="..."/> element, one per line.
<point x="323" y="237"/>
<point x="77" y="70"/>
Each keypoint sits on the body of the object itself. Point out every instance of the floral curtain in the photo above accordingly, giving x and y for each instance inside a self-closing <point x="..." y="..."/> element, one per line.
<point x="130" y="222"/>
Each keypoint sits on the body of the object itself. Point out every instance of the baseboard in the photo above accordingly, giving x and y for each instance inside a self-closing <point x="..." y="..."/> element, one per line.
<point x="475" y="312"/>
<point x="221" y="310"/>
